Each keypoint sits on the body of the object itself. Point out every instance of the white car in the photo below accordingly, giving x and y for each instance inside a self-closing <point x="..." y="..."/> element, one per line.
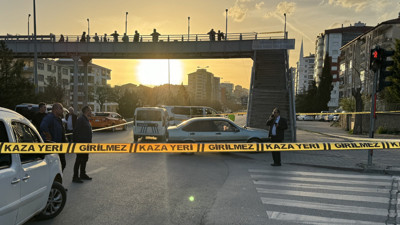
<point x="30" y="184"/>
<point x="214" y="129"/>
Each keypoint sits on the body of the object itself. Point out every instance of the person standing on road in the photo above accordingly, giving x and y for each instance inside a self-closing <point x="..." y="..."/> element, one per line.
<point x="71" y="120"/>
<point x="277" y="126"/>
<point x="38" y="117"/>
<point x="52" y="129"/>
<point x="82" y="134"/>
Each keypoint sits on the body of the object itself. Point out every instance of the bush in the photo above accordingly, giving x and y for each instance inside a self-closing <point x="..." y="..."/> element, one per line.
<point x="382" y="130"/>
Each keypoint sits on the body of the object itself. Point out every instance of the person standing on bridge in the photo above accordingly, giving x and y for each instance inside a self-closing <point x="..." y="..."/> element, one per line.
<point x="277" y="126"/>
<point x="105" y="38"/>
<point x="136" y="36"/>
<point x="125" y="38"/>
<point x="82" y="134"/>
<point x="96" y="38"/>
<point x="83" y="37"/>
<point x="155" y="35"/>
<point x="115" y="35"/>
<point x="212" y="35"/>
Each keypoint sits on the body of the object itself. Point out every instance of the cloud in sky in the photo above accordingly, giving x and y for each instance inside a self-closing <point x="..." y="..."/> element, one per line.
<point x="286" y="7"/>
<point x="358" y="5"/>
<point x="259" y="5"/>
<point x="239" y="10"/>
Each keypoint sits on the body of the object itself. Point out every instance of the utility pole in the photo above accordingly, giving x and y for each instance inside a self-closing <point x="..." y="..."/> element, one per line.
<point x="188" y="28"/>
<point x="126" y="23"/>
<point x="35" y="50"/>
<point x="226" y="24"/>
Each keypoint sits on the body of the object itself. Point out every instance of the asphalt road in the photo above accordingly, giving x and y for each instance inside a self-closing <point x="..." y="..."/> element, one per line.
<point x="154" y="188"/>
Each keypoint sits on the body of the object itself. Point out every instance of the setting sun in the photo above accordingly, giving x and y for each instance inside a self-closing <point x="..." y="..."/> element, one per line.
<point x="155" y="71"/>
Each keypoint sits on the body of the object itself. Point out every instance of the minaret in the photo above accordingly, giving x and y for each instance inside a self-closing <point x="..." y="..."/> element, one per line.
<point x="301" y="52"/>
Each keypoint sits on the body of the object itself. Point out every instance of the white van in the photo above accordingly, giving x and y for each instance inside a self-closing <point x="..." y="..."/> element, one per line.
<point x="178" y="114"/>
<point x="151" y="122"/>
<point x="30" y="184"/>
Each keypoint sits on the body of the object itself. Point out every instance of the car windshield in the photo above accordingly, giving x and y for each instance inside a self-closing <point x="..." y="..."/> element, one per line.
<point x="148" y="115"/>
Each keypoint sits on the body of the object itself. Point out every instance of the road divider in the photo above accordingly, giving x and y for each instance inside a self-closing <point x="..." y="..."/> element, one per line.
<point x="29" y="148"/>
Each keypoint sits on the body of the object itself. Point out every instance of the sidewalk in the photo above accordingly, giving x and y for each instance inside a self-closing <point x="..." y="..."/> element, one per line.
<point x="383" y="161"/>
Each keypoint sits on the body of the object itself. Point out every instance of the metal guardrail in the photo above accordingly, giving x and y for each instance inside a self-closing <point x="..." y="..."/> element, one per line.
<point x="146" y="38"/>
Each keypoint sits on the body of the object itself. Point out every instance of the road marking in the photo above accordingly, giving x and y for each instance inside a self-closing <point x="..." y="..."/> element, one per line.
<point x="97" y="170"/>
<point x="324" y="206"/>
<point x="322" y="180"/>
<point x="317" y="220"/>
<point x="352" y="176"/>
<point x="357" y="198"/>
<point x="324" y="187"/>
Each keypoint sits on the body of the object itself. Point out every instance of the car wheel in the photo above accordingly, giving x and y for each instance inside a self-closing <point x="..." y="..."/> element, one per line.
<point x="136" y="138"/>
<point x="254" y="140"/>
<point x="55" y="202"/>
<point x="125" y="127"/>
<point x="161" y="139"/>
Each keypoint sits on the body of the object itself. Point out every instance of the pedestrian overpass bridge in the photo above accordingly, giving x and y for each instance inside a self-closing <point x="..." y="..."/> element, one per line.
<point x="271" y="81"/>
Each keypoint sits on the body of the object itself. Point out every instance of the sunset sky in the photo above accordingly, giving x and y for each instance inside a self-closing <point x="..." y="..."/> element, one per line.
<point x="305" y="20"/>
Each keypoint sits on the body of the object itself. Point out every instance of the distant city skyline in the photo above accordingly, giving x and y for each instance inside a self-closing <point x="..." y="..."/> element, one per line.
<point x="306" y="19"/>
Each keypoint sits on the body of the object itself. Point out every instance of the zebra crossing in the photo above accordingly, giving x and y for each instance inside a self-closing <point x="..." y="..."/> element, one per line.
<point x="301" y="197"/>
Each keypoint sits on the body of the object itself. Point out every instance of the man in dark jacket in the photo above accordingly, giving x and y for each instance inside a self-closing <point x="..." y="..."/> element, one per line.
<point x="71" y="120"/>
<point x="277" y="126"/>
<point x="38" y="117"/>
<point x="52" y="129"/>
<point x="82" y="134"/>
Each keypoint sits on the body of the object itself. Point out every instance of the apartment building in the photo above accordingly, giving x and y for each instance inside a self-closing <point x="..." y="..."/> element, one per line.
<point x="203" y="86"/>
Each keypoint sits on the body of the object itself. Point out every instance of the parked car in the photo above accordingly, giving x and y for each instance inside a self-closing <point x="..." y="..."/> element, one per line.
<point x="321" y="117"/>
<point x="214" y="129"/>
<point x="30" y="184"/>
<point x="151" y="122"/>
<point x="107" y="119"/>
<point x="178" y="114"/>
<point x="305" y="117"/>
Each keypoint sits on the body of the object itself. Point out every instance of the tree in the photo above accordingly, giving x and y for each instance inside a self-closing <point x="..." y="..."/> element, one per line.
<point x="103" y="95"/>
<point x="305" y="103"/>
<point x="325" y="86"/>
<point x="348" y="104"/>
<point x="15" y="89"/>
<point x="392" y="93"/>
<point x="127" y="104"/>
<point x="53" y="92"/>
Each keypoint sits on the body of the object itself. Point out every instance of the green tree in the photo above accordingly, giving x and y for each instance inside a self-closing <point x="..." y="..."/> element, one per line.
<point x="103" y="94"/>
<point x="53" y="92"/>
<point x="127" y="104"/>
<point x="392" y="93"/>
<point x="348" y="104"/>
<point x="305" y="103"/>
<point x="15" y="89"/>
<point x="325" y="86"/>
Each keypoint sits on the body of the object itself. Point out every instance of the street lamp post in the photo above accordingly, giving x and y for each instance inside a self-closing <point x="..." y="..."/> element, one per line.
<point x="188" y="27"/>
<point x="226" y="24"/>
<point x="88" y="27"/>
<point x="35" y="50"/>
<point x="126" y="23"/>
<point x="284" y="29"/>
<point x="29" y="16"/>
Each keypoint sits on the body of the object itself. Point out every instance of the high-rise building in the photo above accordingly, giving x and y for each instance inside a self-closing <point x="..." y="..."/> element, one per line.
<point x="328" y="44"/>
<point x="304" y="73"/>
<point x="203" y="87"/>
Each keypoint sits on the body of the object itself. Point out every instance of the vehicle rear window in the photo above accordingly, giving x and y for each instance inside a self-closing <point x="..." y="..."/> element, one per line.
<point x="27" y="112"/>
<point x="148" y="115"/>
<point x="181" y="111"/>
<point x="102" y="114"/>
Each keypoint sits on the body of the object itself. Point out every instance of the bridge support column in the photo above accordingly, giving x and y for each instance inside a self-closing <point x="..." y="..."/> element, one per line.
<point x="85" y="61"/>
<point x="75" y="97"/>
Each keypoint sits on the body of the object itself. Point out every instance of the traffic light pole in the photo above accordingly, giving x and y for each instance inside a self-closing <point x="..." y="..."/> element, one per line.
<point x="372" y="115"/>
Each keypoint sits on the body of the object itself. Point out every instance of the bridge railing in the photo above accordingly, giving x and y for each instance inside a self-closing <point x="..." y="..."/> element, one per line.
<point x="147" y="38"/>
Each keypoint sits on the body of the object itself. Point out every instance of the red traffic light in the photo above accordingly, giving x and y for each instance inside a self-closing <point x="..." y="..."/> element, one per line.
<point x="375" y="54"/>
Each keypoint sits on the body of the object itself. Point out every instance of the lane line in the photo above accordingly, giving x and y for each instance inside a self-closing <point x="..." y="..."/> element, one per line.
<point x="357" y="198"/>
<point x="352" y="176"/>
<point x="317" y="220"/>
<point x="324" y="206"/>
<point x="97" y="170"/>
<point x="324" y="187"/>
<point x="321" y="180"/>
